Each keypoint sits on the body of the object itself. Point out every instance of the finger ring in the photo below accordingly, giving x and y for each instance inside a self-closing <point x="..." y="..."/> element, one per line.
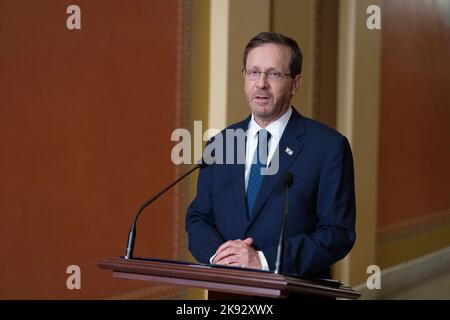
<point x="227" y="262"/>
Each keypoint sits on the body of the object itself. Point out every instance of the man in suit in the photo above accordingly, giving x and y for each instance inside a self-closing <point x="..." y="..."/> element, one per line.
<point x="236" y="215"/>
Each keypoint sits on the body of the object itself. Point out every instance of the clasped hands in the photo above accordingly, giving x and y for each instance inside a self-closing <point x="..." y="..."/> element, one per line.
<point x="238" y="253"/>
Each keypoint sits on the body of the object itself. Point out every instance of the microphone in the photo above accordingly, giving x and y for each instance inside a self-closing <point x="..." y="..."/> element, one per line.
<point x="287" y="182"/>
<point x="132" y="234"/>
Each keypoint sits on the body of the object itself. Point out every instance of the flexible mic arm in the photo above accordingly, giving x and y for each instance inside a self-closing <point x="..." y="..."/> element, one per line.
<point x="287" y="182"/>
<point x="132" y="234"/>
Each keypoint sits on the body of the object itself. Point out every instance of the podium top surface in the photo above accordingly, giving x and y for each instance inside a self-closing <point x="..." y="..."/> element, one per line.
<point x="224" y="279"/>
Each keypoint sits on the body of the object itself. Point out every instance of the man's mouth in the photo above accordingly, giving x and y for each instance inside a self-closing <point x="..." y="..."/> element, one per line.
<point x="261" y="98"/>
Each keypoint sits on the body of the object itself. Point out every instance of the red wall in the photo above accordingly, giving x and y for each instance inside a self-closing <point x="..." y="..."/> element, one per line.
<point x="415" y="111"/>
<point x="85" y="124"/>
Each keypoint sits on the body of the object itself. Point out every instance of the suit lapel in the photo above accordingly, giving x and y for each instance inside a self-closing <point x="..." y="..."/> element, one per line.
<point x="237" y="175"/>
<point x="289" y="148"/>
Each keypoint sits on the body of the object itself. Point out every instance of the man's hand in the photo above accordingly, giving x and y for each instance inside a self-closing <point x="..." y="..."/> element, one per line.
<point x="238" y="253"/>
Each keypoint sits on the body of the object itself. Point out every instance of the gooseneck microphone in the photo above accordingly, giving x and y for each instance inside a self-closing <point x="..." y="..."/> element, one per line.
<point x="287" y="182"/>
<point x="132" y="234"/>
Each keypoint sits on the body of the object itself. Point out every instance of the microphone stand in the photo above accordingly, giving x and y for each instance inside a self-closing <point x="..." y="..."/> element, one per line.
<point x="279" y="261"/>
<point x="132" y="234"/>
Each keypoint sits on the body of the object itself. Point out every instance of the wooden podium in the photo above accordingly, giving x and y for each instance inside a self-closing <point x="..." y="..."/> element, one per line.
<point x="225" y="282"/>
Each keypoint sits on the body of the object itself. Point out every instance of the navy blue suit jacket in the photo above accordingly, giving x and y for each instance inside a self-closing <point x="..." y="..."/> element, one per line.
<point x="320" y="228"/>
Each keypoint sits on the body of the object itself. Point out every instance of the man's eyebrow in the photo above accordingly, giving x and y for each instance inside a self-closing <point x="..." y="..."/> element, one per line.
<point x="266" y="70"/>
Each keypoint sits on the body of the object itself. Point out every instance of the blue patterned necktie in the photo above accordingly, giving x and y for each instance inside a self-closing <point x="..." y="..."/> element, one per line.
<point x="259" y="161"/>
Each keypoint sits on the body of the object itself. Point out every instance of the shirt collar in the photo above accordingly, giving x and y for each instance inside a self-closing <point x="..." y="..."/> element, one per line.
<point x="275" y="128"/>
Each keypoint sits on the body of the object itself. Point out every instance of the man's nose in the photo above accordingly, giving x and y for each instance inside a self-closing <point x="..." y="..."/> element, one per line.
<point x="262" y="81"/>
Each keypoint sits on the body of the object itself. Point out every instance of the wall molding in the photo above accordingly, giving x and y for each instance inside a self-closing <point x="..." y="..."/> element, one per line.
<point x="405" y="276"/>
<point x="413" y="226"/>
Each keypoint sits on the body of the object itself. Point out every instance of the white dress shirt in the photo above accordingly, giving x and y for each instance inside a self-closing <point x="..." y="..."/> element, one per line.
<point x="275" y="129"/>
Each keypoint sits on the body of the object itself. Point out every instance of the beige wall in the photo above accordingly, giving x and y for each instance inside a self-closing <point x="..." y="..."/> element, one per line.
<point x="296" y="19"/>
<point x="357" y="118"/>
<point x="247" y="19"/>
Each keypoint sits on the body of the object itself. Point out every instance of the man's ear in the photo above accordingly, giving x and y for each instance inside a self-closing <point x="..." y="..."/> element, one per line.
<point x="297" y="83"/>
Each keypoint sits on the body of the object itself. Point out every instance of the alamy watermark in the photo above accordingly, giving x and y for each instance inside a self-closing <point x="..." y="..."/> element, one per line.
<point x="74" y="279"/>
<point x="374" y="281"/>
<point x="73" y="21"/>
<point x="373" y="22"/>
<point x="226" y="147"/>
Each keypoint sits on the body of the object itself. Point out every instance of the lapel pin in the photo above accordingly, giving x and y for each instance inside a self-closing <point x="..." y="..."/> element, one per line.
<point x="289" y="151"/>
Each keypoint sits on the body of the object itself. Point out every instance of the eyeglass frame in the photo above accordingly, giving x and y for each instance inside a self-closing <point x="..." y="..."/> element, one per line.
<point x="244" y="72"/>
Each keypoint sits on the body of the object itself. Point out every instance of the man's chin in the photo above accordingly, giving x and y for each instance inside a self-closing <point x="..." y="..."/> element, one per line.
<point x="265" y="111"/>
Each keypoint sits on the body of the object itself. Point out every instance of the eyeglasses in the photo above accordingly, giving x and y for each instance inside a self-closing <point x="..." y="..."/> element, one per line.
<point x="272" y="76"/>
